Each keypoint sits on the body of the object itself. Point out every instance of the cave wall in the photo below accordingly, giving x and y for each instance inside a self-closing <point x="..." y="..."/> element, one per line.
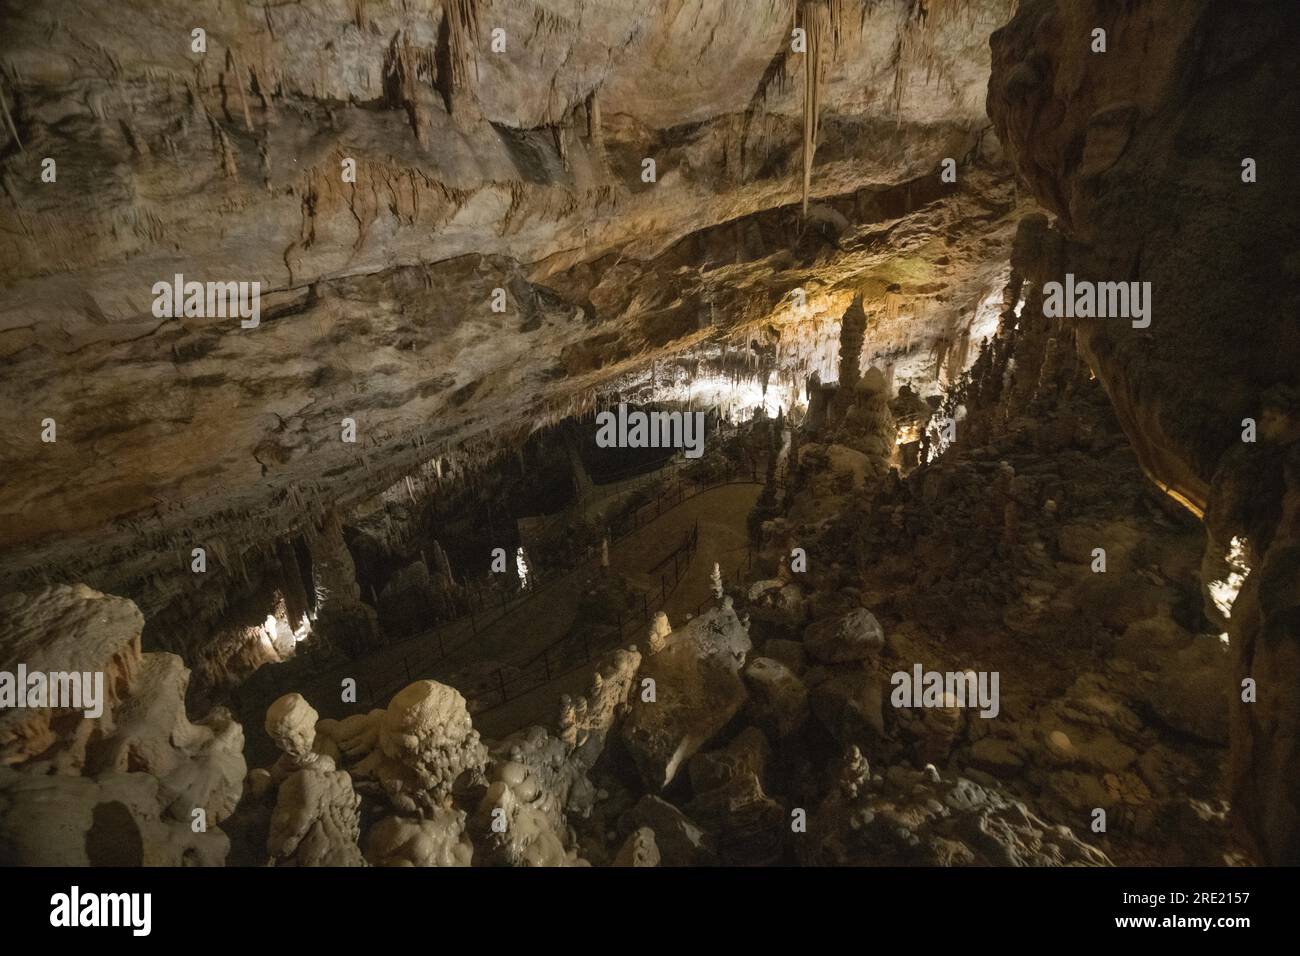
<point x="1138" y="152"/>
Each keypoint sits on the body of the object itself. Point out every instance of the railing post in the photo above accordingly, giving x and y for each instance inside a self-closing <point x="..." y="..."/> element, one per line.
<point x="546" y="662"/>
<point x="406" y="663"/>
<point x="501" y="682"/>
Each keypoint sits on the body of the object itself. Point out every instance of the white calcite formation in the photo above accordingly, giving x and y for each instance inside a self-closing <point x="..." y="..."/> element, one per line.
<point x="657" y="636"/>
<point x="139" y="784"/>
<point x="438" y="840"/>
<point x="316" y="820"/>
<point x="425" y="743"/>
<point x="520" y="820"/>
<point x="292" y="724"/>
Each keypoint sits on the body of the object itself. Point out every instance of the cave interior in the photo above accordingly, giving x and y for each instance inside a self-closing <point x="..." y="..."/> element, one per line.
<point x="649" y="432"/>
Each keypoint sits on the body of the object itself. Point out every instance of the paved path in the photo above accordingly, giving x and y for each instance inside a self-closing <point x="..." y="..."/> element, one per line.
<point x="722" y="514"/>
<point x="548" y="615"/>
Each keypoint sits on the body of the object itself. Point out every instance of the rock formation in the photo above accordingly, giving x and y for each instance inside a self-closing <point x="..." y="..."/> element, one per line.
<point x="136" y="783"/>
<point x="306" y="317"/>
<point x="1126" y="127"/>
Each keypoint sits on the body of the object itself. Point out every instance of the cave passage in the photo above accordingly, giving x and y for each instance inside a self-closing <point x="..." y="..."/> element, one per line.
<point x="789" y="433"/>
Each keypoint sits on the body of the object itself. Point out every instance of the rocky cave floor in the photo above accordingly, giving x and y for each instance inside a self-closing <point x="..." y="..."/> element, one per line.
<point x="1031" y="545"/>
<point x="1111" y="696"/>
<point x="769" y="737"/>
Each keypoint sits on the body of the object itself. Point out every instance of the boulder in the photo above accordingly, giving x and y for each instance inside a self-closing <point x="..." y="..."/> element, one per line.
<point x="854" y="636"/>
<point x="748" y="826"/>
<point x="748" y="753"/>
<point x="789" y="653"/>
<point x="1193" y="692"/>
<point x="849" y="706"/>
<point x="680" y="841"/>
<point x="778" y="700"/>
<point x="698" y="690"/>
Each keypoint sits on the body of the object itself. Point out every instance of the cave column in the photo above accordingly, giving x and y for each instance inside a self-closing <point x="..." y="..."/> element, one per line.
<point x="291" y="583"/>
<point x="342" y="617"/>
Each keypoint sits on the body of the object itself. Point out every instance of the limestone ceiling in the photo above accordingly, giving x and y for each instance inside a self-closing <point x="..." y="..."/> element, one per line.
<point x="476" y="170"/>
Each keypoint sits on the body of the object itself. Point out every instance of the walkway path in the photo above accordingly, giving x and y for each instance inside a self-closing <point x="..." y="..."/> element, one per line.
<point x="544" y="617"/>
<point x="722" y="513"/>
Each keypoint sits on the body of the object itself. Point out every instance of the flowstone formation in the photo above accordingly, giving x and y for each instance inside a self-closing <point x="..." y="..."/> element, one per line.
<point x="128" y="781"/>
<point x="424" y="746"/>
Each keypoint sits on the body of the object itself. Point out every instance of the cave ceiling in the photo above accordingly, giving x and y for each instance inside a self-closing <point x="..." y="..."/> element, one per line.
<point x="476" y="171"/>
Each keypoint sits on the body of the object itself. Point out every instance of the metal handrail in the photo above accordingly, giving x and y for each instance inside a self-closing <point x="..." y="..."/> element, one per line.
<point x="446" y="649"/>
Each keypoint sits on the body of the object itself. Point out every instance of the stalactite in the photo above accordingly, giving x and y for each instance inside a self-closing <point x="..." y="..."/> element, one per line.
<point x="462" y="30"/>
<point x="814" y="15"/>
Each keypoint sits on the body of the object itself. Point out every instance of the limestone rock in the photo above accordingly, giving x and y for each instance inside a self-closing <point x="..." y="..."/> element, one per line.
<point x="587" y="725"/>
<point x="789" y="653"/>
<point x="778" y="700"/>
<point x="850" y="707"/>
<point x="680" y="841"/>
<point x="639" y="849"/>
<point x="855" y="636"/>
<point x="915" y="818"/>
<point x="436" y="841"/>
<point x="748" y="753"/>
<point x="316" y="820"/>
<point x="698" y="690"/>
<point x="748" y="826"/>
<point x="1193" y="692"/>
